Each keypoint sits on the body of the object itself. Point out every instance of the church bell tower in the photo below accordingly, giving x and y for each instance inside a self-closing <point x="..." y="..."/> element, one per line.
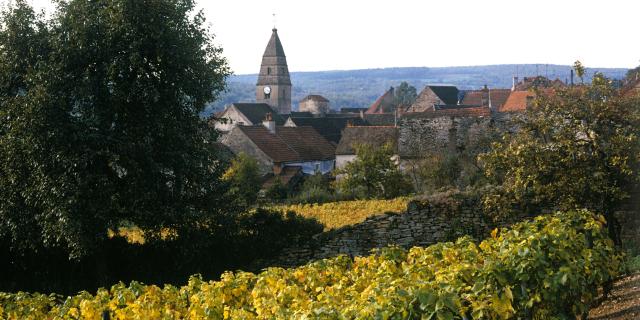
<point x="274" y="84"/>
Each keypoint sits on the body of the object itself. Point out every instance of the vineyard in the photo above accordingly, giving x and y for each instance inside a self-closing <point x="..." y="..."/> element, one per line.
<point x="341" y="213"/>
<point x="547" y="268"/>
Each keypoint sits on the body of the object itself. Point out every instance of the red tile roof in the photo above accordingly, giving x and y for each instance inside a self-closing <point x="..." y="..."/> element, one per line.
<point x="290" y="144"/>
<point x="517" y="101"/>
<point x="272" y="145"/>
<point x="382" y="104"/>
<point x="307" y="142"/>
<point x="474" y="98"/>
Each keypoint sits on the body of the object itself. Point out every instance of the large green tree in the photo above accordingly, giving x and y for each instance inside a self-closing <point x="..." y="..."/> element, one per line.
<point x="578" y="148"/>
<point x="100" y="122"/>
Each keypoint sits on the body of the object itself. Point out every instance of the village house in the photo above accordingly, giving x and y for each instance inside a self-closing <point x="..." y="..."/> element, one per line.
<point x="278" y="147"/>
<point x="314" y="104"/>
<point x="244" y="114"/>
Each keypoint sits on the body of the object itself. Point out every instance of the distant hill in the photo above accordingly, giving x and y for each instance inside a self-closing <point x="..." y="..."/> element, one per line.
<point x="359" y="88"/>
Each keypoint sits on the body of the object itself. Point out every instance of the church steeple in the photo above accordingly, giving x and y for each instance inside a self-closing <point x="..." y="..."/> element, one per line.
<point x="274" y="84"/>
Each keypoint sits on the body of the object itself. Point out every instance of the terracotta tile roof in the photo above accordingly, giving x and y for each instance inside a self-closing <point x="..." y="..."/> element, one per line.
<point x="473" y="111"/>
<point x="272" y="145"/>
<point x="315" y="97"/>
<point x="307" y="143"/>
<point x="517" y="101"/>
<point x="498" y="97"/>
<point x="383" y="104"/>
<point x="373" y="135"/>
<point x="290" y="144"/>
<point x="472" y="97"/>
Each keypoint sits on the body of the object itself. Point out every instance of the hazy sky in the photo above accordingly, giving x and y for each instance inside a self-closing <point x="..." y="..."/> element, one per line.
<point x="356" y="34"/>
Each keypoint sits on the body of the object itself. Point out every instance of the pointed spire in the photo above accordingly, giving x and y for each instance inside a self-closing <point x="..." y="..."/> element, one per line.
<point x="274" y="47"/>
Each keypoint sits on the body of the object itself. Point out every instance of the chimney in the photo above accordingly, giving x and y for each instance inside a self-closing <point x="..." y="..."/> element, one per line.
<point x="572" y="77"/>
<point x="485" y="96"/>
<point x="269" y="123"/>
<point x="515" y="82"/>
<point x="361" y="114"/>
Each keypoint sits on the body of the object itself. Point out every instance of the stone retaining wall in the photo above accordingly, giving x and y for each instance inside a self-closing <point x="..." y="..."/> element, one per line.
<point x="436" y="218"/>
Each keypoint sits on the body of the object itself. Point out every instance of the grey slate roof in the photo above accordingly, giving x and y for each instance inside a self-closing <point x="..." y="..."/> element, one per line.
<point x="329" y="128"/>
<point x="448" y="94"/>
<point x="256" y="112"/>
<point x="274" y="47"/>
<point x="380" y="119"/>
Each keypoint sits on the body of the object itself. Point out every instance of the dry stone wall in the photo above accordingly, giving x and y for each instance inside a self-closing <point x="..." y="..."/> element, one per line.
<point x="441" y="217"/>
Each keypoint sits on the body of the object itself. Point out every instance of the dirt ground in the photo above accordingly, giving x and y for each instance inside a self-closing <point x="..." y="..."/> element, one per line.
<point x="623" y="303"/>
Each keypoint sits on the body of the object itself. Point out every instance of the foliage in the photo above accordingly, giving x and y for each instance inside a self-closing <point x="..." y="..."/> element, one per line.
<point x="633" y="74"/>
<point x="243" y="176"/>
<point x="405" y="94"/>
<point x="549" y="268"/>
<point x="373" y="173"/>
<point x="579" y="69"/>
<point x="633" y="264"/>
<point x="341" y="213"/>
<point x="277" y="191"/>
<point x="577" y="148"/>
<point x="316" y="188"/>
<point x="105" y="126"/>
<point x="456" y="166"/>
<point x="265" y="231"/>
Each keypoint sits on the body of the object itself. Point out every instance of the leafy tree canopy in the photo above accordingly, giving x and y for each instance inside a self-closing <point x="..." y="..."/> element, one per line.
<point x="244" y="178"/>
<point x="373" y="173"/>
<point x="405" y="94"/>
<point x="577" y="148"/>
<point x="100" y="121"/>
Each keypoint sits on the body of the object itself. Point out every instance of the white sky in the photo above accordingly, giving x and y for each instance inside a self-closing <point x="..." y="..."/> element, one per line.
<point x="359" y="34"/>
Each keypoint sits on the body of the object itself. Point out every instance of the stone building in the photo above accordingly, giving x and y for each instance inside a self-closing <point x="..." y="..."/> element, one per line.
<point x="244" y="114"/>
<point x="277" y="147"/>
<point x="274" y="83"/>
<point x="315" y="104"/>
<point x="432" y="96"/>
<point x="386" y="103"/>
<point x="330" y="128"/>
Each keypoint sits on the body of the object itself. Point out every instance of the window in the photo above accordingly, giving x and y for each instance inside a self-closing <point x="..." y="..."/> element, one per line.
<point x="267" y="96"/>
<point x="268" y="71"/>
<point x="281" y="70"/>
